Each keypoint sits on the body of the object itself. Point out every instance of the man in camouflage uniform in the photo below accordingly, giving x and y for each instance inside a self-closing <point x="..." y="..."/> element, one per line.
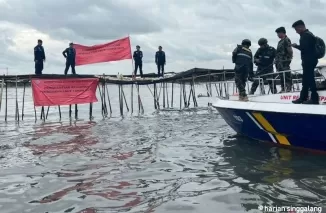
<point x="242" y="57"/>
<point x="264" y="59"/>
<point x="284" y="54"/>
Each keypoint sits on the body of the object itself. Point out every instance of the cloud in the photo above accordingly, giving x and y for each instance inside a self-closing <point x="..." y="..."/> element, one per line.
<point x="192" y="33"/>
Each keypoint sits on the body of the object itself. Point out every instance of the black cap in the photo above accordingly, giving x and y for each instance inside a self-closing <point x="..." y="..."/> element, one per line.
<point x="39" y="40"/>
<point x="138" y="46"/>
<point x="298" y="23"/>
<point x="71" y="43"/>
<point x="159" y="46"/>
<point x="280" y="30"/>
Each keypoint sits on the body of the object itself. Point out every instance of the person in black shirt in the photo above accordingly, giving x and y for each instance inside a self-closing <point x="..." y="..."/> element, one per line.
<point x="39" y="57"/>
<point x="160" y="61"/>
<point x="70" y="55"/>
<point x="309" y="62"/>
<point x="138" y="58"/>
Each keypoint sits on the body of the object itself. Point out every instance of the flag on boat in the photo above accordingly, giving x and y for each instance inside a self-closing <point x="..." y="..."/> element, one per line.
<point x="113" y="51"/>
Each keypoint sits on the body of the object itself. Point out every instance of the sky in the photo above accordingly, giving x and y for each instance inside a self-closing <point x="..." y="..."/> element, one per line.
<point x="192" y="33"/>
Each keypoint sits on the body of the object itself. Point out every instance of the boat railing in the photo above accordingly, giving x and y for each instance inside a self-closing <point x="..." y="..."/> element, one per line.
<point x="226" y="87"/>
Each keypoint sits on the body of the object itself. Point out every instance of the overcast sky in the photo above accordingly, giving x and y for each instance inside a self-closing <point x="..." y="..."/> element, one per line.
<point x="193" y="33"/>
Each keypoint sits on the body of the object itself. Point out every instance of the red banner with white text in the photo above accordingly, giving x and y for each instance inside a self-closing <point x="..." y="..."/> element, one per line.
<point x="114" y="51"/>
<point x="54" y="92"/>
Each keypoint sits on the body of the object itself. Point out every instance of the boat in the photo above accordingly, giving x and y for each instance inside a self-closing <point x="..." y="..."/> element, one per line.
<point x="274" y="119"/>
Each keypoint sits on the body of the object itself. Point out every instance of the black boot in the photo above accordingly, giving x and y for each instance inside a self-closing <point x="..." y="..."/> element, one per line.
<point x="298" y="101"/>
<point x="314" y="99"/>
<point x="311" y="102"/>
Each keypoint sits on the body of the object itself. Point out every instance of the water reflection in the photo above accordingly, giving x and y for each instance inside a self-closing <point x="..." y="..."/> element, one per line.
<point x="164" y="163"/>
<point x="277" y="176"/>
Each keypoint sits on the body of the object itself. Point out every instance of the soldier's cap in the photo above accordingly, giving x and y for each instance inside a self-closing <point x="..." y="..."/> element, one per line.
<point x="138" y="46"/>
<point x="298" y="23"/>
<point x="39" y="40"/>
<point x="280" y="30"/>
<point x="71" y="43"/>
<point x="159" y="46"/>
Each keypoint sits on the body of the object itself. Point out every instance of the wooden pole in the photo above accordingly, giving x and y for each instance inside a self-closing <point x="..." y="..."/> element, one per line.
<point x="6" y="110"/>
<point x="2" y="84"/>
<point x="59" y="112"/>
<point x="109" y="99"/>
<point x="76" y="111"/>
<point x="47" y="112"/>
<point x="124" y="97"/>
<point x="17" y="110"/>
<point x="23" y="101"/>
<point x="132" y="98"/>
<point x="172" y="95"/>
<point x="90" y="111"/>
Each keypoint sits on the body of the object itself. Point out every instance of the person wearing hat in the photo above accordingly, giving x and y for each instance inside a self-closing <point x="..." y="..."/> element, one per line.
<point x="160" y="61"/>
<point x="284" y="55"/>
<point x="242" y="57"/>
<point x="70" y="55"/>
<point x="138" y="58"/>
<point x="39" y="57"/>
<point x="264" y="60"/>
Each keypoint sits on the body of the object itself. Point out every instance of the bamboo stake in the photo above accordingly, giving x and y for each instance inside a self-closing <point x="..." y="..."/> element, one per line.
<point x="6" y="110"/>
<point x="124" y="97"/>
<point x="76" y="111"/>
<point x="17" y="109"/>
<point x="59" y="112"/>
<point x="109" y="100"/>
<point x="90" y="111"/>
<point x="172" y="94"/>
<point x="2" y="84"/>
<point x="163" y="85"/>
<point x="132" y="98"/>
<point x="23" y="101"/>
<point x="70" y="111"/>
<point x="167" y="95"/>
<point x="47" y="112"/>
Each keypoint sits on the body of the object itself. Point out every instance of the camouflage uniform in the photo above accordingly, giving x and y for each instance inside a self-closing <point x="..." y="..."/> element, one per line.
<point x="266" y="56"/>
<point x="242" y="57"/>
<point x="282" y="63"/>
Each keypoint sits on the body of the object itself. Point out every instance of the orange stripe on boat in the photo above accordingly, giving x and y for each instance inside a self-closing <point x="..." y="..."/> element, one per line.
<point x="268" y="127"/>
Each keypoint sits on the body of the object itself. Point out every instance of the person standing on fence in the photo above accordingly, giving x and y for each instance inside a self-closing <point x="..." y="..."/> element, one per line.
<point x="160" y="61"/>
<point x="39" y="57"/>
<point x="264" y="59"/>
<point x="312" y="48"/>
<point x="242" y="57"/>
<point x="138" y="59"/>
<point x="284" y="55"/>
<point x="70" y="55"/>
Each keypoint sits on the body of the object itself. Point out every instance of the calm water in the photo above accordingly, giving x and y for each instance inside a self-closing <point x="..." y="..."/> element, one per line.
<point x="173" y="161"/>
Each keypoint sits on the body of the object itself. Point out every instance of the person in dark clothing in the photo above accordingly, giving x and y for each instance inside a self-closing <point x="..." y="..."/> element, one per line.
<point x="309" y="62"/>
<point x="264" y="59"/>
<point x="242" y="57"/>
<point x="39" y="57"/>
<point x="284" y="55"/>
<point x="138" y="58"/>
<point x="70" y="55"/>
<point x="160" y="61"/>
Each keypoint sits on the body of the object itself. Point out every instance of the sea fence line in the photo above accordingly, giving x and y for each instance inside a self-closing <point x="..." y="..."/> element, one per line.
<point x="163" y="92"/>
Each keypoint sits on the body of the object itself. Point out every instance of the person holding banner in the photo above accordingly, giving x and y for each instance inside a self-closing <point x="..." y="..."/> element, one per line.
<point x="39" y="57"/>
<point x="70" y="55"/>
<point x="138" y="58"/>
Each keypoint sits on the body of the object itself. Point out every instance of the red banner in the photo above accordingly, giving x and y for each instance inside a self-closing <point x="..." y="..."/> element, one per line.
<point x="54" y="92"/>
<point x="113" y="51"/>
